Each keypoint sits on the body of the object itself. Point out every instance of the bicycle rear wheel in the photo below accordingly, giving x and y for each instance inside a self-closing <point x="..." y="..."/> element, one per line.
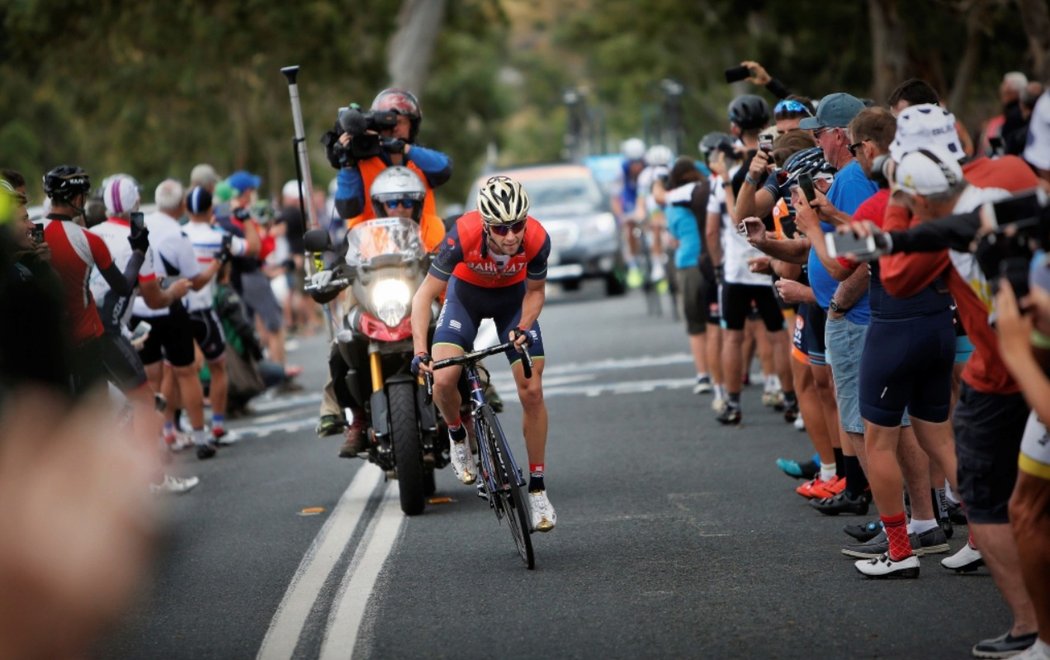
<point x="508" y="494"/>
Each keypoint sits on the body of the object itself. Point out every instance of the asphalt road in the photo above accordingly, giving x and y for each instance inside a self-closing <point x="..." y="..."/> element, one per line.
<point x="676" y="537"/>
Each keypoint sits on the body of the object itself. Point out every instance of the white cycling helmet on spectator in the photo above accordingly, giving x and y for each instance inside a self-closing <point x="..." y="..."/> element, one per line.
<point x="502" y="201"/>
<point x="657" y="155"/>
<point x="633" y="149"/>
<point x="120" y="194"/>
<point x="923" y="126"/>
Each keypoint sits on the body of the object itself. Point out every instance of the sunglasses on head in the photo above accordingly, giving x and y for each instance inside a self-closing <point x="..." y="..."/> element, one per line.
<point x="503" y="230"/>
<point x="405" y="202"/>
<point x="791" y="105"/>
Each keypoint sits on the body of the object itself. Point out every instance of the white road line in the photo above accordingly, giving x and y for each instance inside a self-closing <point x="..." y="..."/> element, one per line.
<point x="348" y="610"/>
<point x="263" y="430"/>
<point x="287" y="623"/>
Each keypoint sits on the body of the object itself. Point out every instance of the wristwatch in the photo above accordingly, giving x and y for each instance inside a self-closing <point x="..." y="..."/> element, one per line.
<point x="833" y="306"/>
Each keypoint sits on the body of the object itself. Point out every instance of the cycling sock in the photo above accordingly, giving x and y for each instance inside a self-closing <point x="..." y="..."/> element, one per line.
<point x="535" y="477"/>
<point x="720" y="391"/>
<point x="939" y="498"/>
<point x="917" y="526"/>
<point x="169" y="429"/>
<point x="734" y="399"/>
<point x="856" y="482"/>
<point x="840" y="462"/>
<point x="827" y="471"/>
<point x="456" y="431"/>
<point x="217" y="420"/>
<point x="770" y="383"/>
<point x="199" y="437"/>
<point x="897" y="535"/>
<point x="790" y="398"/>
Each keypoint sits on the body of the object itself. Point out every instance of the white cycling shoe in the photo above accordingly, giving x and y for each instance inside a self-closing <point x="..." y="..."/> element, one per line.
<point x="542" y="512"/>
<point x="462" y="461"/>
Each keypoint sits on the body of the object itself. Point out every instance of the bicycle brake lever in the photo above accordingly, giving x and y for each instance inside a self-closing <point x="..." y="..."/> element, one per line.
<point x="428" y="380"/>
<point x="526" y="362"/>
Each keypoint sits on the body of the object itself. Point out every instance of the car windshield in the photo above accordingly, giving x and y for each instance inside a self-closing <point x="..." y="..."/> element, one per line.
<point x="552" y="195"/>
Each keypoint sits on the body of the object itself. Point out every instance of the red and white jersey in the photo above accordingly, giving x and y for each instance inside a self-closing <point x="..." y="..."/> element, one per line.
<point x="464" y="254"/>
<point x="207" y="243"/>
<point x="114" y="232"/>
<point x="74" y="252"/>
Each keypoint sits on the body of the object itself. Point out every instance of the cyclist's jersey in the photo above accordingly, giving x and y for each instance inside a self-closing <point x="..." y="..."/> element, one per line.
<point x="644" y="193"/>
<point x="465" y="254"/>
<point x="735" y="248"/>
<point x="207" y="242"/>
<point x="74" y="251"/>
<point x="629" y="188"/>
<point x="172" y="257"/>
<point x="114" y="232"/>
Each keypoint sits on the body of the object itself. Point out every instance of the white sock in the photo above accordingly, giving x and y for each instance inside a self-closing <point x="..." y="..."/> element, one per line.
<point x="1042" y="647"/>
<point x="917" y="526"/>
<point x="827" y="471"/>
<point x="200" y="437"/>
<point x="949" y="493"/>
<point x="770" y="385"/>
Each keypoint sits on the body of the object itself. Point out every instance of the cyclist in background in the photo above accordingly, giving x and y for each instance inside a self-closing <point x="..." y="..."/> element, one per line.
<point x="624" y="201"/>
<point x="648" y="215"/>
<point x="492" y="264"/>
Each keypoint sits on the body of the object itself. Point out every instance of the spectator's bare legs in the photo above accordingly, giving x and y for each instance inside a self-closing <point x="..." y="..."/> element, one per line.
<point x="219" y="387"/>
<point x="698" y="347"/>
<point x="999" y="552"/>
<point x="829" y="406"/>
<point x="714" y="353"/>
<point x="883" y="471"/>
<point x="810" y="405"/>
<point x="1030" y="519"/>
<point x="915" y="466"/>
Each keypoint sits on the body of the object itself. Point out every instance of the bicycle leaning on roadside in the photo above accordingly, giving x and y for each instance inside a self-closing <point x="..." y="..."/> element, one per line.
<point x="501" y="478"/>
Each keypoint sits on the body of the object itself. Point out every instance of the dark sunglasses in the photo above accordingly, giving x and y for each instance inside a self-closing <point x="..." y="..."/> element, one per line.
<point x="503" y="230"/>
<point x="854" y="147"/>
<point x="791" y="105"/>
<point x="405" y="202"/>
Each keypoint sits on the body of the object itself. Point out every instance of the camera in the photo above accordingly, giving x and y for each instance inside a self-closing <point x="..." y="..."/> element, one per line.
<point x="842" y="244"/>
<point x="1020" y="228"/>
<point x="878" y="170"/>
<point x="363" y="128"/>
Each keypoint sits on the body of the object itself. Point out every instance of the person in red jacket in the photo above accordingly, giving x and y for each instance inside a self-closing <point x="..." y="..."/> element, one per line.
<point x="492" y="264"/>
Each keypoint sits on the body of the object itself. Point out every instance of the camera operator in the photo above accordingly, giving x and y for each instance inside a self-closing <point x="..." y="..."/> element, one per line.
<point x="361" y="146"/>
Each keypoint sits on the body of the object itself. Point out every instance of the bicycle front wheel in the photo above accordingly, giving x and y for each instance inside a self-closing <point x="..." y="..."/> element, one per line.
<point x="508" y="493"/>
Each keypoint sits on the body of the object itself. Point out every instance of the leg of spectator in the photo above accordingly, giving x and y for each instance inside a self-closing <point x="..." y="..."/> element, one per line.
<point x="829" y="408"/>
<point x="714" y="353"/>
<point x="733" y="361"/>
<point x="698" y="347"/>
<point x="884" y="473"/>
<point x="810" y="405"/>
<point x="915" y="466"/>
<point x="937" y="441"/>
<point x="192" y="395"/>
<point x="999" y="551"/>
<point x="1030" y="519"/>
<point x="219" y="386"/>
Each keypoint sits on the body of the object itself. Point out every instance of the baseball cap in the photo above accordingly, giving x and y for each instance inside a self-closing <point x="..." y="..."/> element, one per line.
<point x="198" y="201"/>
<point x="204" y="174"/>
<point x="923" y="126"/>
<point x="242" y="180"/>
<point x="834" y="111"/>
<point x="927" y="172"/>
<point x="120" y="195"/>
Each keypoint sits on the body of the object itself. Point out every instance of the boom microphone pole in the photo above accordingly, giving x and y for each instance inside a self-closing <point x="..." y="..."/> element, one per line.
<point x="306" y="188"/>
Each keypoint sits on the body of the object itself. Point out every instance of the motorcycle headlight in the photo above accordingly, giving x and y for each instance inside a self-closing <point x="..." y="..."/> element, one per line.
<point x="391" y="300"/>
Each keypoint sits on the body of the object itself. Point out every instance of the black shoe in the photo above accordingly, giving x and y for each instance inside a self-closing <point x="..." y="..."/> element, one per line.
<point x="930" y="542"/>
<point x="330" y="425"/>
<point x="1003" y="646"/>
<point x="843" y="503"/>
<point x="791" y="411"/>
<point x="864" y="533"/>
<point x="205" y="451"/>
<point x="730" y="415"/>
<point x="946" y="527"/>
<point x="955" y="513"/>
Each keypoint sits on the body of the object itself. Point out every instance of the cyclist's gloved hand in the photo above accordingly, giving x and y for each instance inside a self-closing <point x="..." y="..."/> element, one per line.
<point x="321" y="279"/>
<point x="139" y="238"/>
<point x="420" y="358"/>
<point x="520" y="337"/>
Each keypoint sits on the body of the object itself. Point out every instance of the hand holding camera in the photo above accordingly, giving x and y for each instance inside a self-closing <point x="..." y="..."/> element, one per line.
<point x="139" y="236"/>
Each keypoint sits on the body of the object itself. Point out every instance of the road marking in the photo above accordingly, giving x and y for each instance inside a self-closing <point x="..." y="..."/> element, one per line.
<point x="287" y="623"/>
<point x="348" y="610"/>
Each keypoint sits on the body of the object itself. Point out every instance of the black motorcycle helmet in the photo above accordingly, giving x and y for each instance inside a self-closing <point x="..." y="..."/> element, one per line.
<point x="63" y="183"/>
<point x="749" y="112"/>
<point x="402" y="102"/>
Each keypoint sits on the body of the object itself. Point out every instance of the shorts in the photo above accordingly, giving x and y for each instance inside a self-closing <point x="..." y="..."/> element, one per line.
<point x="808" y="337"/>
<point x="736" y="304"/>
<point x="693" y="290"/>
<point x="714" y="314"/>
<point x="107" y="358"/>
<point x="207" y="332"/>
<point x="170" y="338"/>
<point x="988" y="432"/>
<point x="260" y="300"/>
<point x="907" y="365"/>
<point x="845" y="346"/>
<point x="1035" y="449"/>
<point x="466" y="305"/>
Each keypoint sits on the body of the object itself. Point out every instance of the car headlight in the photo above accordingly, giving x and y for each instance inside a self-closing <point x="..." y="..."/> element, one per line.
<point x="600" y="227"/>
<point x="391" y="299"/>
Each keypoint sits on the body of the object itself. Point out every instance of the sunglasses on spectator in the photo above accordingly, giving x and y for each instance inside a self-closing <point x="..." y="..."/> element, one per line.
<point x="853" y="148"/>
<point x="406" y="202"/>
<point x="503" y="230"/>
<point x="791" y="105"/>
<point x="818" y="133"/>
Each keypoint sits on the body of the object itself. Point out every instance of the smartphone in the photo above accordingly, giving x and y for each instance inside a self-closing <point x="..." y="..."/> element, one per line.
<point x="843" y="244"/>
<point x="138" y="220"/>
<point x="765" y="143"/>
<point x="789" y="227"/>
<point x="996" y="145"/>
<point x="737" y="73"/>
<point x="1013" y="209"/>
<point x="38" y="233"/>
<point x="140" y="331"/>
<point x="1016" y="270"/>
<point x="753" y="227"/>
<point x="805" y="182"/>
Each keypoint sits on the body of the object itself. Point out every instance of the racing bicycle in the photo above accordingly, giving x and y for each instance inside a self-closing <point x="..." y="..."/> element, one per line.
<point x="501" y="478"/>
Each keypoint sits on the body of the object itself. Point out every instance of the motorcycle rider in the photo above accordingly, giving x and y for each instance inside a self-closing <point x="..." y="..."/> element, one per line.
<point x="493" y="264"/>
<point x="396" y="192"/>
<point x="359" y="166"/>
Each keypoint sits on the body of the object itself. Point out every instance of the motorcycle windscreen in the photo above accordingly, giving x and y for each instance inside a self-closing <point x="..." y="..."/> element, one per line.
<point x="382" y="239"/>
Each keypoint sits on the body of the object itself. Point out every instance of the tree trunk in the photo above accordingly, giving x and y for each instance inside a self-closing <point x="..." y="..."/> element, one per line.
<point x="975" y="23"/>
<point x="1035" y="16"/>
<point x="889" y="51"/>
<point x="410" y="49"/>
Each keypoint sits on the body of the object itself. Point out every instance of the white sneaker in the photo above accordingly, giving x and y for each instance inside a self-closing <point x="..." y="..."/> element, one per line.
<point x="702" y="385"/>
<point x="181" y="442"/>
<point x="543" y="515"/>
<point x="462" y="461"/>
<point x="226" y="437"/>
<point x="800" y="425"/>
<point x="967" y="560"/>
<point x="884" y="567"/>
<point x="718" y="404"/>
<point x="772" y="398"/>
<point x="174" y="485"/>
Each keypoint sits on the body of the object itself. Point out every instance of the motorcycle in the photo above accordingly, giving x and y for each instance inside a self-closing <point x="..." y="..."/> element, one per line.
<point x="385" y="264"/>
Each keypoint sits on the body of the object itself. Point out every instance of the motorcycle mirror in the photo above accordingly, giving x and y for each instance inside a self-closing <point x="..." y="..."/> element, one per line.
<point x="317" y="240"/>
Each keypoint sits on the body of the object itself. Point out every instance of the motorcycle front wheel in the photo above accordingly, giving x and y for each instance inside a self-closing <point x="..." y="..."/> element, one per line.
<point x="408" y="454"/>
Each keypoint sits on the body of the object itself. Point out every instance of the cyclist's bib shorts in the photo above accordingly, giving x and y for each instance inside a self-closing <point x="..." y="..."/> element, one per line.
<point x="466" y="305"/>
<point x="207" y="331"/>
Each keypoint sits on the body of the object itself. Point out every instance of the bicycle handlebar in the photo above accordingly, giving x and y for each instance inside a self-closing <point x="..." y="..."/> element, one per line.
<point x="475" y="356"/>
<point x="339" y="283"/>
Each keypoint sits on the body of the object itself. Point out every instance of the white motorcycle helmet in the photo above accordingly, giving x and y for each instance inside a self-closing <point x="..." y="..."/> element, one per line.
<point x="397" y="183"/>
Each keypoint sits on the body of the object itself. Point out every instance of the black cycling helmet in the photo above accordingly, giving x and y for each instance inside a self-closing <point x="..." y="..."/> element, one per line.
<point x="65" y="182"/>
<point x="715" y="140"/>
<point x="749" y="112"/>
<point x="402" y="102"/>
<point x="808" y="161"/>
